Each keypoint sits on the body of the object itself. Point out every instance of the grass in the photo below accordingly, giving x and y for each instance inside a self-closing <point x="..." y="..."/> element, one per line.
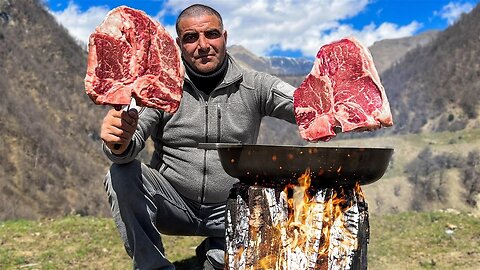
<point x="409" y="240"/>
<point x="75" y="242"/>
<point x="414" y="240"/>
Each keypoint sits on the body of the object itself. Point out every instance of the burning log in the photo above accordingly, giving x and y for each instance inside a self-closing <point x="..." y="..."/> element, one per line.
<point x="296" y="227"/>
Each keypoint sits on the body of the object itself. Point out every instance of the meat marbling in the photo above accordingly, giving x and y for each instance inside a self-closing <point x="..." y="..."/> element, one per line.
<point x="343" y="90"/>
<point x="131" y="55"/>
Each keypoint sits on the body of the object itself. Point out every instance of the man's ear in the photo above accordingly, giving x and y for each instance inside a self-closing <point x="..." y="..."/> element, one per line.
<point x="178" y="42"/>
<point x="225" y="36"/>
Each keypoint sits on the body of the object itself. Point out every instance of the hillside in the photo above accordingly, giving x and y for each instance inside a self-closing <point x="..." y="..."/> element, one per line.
<point x="435" y="87"/>
<point x="50" y="157"/>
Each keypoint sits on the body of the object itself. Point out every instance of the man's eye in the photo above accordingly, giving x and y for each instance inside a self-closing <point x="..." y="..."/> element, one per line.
<point x="213" y="34"/>
<point x="189" y="38"/>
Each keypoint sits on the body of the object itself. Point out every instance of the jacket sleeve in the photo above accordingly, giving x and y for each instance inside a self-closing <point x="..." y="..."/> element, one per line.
<point x="148" y="118"/>
<point x="277" y="98"/>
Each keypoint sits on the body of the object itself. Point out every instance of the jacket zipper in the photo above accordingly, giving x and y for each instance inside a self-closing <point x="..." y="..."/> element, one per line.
<point x="204" y="181"/>
<point x="204" y="177"/>
<point x="219" y="119"/>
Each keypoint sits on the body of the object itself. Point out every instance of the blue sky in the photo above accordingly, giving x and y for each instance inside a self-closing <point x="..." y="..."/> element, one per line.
<point x="283" y="27"/>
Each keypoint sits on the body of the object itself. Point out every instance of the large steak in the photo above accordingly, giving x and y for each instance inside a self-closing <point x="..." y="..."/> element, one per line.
<point x="131" y="55"/>
<point x="343" y="89"/>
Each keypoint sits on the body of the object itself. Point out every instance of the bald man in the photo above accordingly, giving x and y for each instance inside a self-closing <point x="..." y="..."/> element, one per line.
<point x="184" y="189"/>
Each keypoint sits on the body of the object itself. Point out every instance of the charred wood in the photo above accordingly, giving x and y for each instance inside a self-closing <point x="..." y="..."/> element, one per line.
<point x="268" y="228"/>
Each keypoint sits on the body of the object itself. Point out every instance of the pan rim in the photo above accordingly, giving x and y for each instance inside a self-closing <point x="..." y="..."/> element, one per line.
<point x="214" y="146"/>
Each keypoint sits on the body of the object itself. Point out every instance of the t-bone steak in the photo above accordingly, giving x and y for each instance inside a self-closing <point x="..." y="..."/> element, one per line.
<point x="131" y="55"/>
<point x="342" y="90"/>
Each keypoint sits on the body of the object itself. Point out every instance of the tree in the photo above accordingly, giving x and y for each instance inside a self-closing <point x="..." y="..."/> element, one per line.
<point x="471" y="176"/>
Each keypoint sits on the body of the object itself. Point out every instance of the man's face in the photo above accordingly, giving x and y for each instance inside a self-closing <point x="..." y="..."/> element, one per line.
<point x="203" y="42"/>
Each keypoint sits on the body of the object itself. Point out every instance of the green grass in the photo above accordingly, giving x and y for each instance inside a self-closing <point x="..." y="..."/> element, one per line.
<point x="419" y="241"/>
<point x="408" y="240"/>
<point x="75" y="242"/>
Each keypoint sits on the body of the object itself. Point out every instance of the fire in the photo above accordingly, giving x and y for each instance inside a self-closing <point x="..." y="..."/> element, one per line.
<point x="300" y="227"/>
<point x="299" y="203"/>
<point x="313" y="220"/>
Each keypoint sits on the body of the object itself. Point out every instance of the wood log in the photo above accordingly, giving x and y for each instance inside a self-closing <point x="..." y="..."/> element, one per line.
<point x="275" y="228"/>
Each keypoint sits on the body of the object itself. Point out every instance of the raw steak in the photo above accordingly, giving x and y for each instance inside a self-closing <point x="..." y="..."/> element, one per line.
<point x="343" y="89"/>
<point x="131" y="55"/>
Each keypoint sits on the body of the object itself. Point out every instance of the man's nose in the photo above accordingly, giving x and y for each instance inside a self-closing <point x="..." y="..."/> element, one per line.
<point x="202" y="42"/>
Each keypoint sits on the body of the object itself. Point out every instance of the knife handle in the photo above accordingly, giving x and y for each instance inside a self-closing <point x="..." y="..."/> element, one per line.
<point x="118" y="108"/>
<point x="126" y="108"/>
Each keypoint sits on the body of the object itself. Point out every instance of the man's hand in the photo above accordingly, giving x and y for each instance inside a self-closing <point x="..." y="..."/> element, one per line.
<point x="118" y="128"/>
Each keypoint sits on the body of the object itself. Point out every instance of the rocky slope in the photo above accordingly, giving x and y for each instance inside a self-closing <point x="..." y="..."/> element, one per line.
<point x="50" y="157"/>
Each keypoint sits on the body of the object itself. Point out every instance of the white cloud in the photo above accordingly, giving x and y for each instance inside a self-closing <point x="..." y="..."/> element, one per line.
<point x="263" y="25"/>
<point x="371" y="33"/>
<point x="81" y="24"/>
<point x="453" y="10"/>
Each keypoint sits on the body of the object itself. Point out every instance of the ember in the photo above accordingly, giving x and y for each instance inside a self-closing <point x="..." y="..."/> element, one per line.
<point x="298" y="227"/>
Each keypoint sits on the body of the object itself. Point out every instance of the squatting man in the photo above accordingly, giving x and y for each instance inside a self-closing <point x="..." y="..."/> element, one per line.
<point x="183" y="191"/>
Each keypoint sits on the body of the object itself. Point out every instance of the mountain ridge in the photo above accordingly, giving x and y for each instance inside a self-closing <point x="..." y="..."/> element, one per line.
<point x="274" y="65"/>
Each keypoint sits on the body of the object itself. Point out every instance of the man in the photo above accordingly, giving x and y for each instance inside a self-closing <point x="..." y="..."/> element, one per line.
<point x="184" y="189"/>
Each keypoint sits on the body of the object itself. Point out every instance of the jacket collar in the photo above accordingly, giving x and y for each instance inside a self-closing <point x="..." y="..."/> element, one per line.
<point x="234" y="71"/>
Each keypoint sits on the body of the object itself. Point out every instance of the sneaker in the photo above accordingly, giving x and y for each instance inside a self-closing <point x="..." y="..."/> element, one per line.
<point x="211" y="254"/>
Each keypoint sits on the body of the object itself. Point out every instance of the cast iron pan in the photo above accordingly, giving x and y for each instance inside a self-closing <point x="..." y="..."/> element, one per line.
<point x="329" y="166"/>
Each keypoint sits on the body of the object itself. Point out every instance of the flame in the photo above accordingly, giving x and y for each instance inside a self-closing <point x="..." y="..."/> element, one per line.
<point x="299" y="202"/>
<point x="358" y="190"/>
<point x="315" y="234"/>
<point x="306" y="231"/>
<point x="334" y="209"/>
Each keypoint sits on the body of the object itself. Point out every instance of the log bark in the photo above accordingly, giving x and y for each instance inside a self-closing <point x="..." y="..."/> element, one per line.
<point x="267" y="228"/>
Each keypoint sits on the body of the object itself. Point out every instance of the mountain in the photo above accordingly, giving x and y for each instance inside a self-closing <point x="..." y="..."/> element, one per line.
<point x="435" y="87"/>
<point x="388" y="52"/>
<point x="51" y="161"/>
<point x="275" y="65"/>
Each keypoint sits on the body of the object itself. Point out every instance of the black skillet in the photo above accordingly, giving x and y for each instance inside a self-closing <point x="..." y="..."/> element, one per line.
<point x="329" y="166"/>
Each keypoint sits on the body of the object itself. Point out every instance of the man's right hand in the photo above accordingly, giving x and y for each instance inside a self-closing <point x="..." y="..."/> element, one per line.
<point x="118" y="128"/>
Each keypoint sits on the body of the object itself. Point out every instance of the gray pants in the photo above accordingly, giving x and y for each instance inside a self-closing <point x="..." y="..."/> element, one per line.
<point x="144" y="204"/>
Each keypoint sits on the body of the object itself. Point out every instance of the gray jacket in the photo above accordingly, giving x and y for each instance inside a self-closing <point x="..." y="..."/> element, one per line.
<point x="232" y="113"/>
